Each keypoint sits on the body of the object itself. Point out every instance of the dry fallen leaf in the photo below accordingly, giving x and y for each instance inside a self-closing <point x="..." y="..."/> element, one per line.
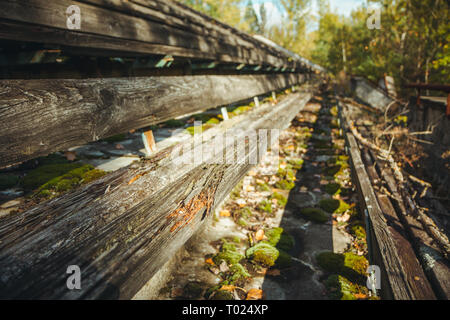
<point x="224" y="267"/>
<point x="225" y="213"/>
<point x="274" y="201"/>
<point x="254" y="294"/>
<point x="416" y="278"/>
<point x="210" y="261"/>
<point x="70" y="155"/>
<point x="228" y="288"/>
<point x="259" y="235"/>
<point x="119" y="146"/>
<point x="360" y="296"/>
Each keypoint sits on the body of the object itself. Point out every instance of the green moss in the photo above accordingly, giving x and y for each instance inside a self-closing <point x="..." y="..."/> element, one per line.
<point x="43" y="174"/>
<point x="245" y="212"/>
<point x="262" y="187"/>
<point x="340" y="288"/>
<point x="53" y="158"/>
<point x="236" y="192"/>
<point x="348" y="265"/>
<point x="192" y="290"/>
<point x="286" y="173"/>
<point x="8" y="181"/>
<point x="93" y="175"/>
<point x="222" y="295"/>
<point x="284" y="260"/>
<point x="266" y="206"/>
<point x="229" y="254"/>
<point x="285" y="185"/>
<point x="359" y="232"/>
<point x="332" y="188"/>
<point x="263" y="253"/>
<point x="240" y="110"/>
<point x="236" y="239"/>
<point x="332" y="170"/>
<point x="314" y="214"/>
<point x="329" y="205"/>
<point x="242" y="222"/>
<point x="281" y="200"/>
<point x="116" y="138"/>
<point x="273" y="235"/>
<point x="343" y="207"/>
<point x="192" y="129"/>
<point x="213" y="121"/>
<point x="68" y="180"/>
<point x="280" y="239"/>
<point x="238" y="273"/>
<point x="296" y="163"/>
<point x="174" y="123"/>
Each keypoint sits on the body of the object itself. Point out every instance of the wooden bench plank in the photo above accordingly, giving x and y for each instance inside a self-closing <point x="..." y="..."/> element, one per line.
<point x="122" y="228"/>
<point x="38" y="117"/>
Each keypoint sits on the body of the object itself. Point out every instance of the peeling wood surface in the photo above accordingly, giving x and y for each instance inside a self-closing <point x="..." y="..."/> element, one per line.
<point x="121" y="233"/>
<point x="38" y="117"/>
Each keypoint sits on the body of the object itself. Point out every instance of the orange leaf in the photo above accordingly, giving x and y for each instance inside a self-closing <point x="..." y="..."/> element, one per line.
<point x="360" y="295"/>
<point x="228" y="288"/>
<point x="273" y="272"/>
<point x="259" y="235"/>
<point x="254" y="294"/>
<point x="210" y="261"/>
<point x="225" y="213"/>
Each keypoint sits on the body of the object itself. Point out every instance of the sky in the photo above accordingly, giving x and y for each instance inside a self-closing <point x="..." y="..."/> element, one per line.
<point x="340" y="6"/>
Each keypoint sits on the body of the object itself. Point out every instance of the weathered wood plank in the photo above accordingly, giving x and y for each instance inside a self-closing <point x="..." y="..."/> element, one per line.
<point x="413" y="271"/>
<point x="131" y="22"/>
<point x="400" y="288"/>
<point x="38" y="117"/>
<point x="122" y="228"/>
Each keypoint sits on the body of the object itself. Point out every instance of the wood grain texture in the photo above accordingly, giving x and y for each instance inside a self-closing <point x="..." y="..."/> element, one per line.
<point x="390" y="260"/>
<point x="154" y="28"/>
<point x="38" y="117"/>
<point x="123" y="227"/>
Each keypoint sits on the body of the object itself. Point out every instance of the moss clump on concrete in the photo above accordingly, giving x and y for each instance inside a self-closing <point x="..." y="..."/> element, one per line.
<point x="265" y="206"/>
<point x="242" y="222"/>
<point x="240" y="110"/>
<point x="229" y="254"/>
<point x="334" y="206"/>
<point x="286" y="173"/>
<point x="332" y="188"/>
<point x="285" y="184"/>
<point x="329" y="205"/>
<point x="314" y="214"/>
<point x="8" y="181"/>
<point x="263" y="253"/>
<point x="359" y="232"/>
<point x="332" y="170"/>
<point x="348" y="265"/>
<point x="296" y="163"/>
<point x="343" y="207"/>
<point x="43" y="174"/>
<point x="340" y="288"/>
<point x="284" y="260"/>
<point x="244" y="212"/>
<point x="281" y="200"/>
<point x="238" y="273"/>
<point x="193" y="290"/>
<point x="262" y="187"/>
<point x="222" y="295"/>
<point x="278" y="238"/>
<point x="116" y="138"/>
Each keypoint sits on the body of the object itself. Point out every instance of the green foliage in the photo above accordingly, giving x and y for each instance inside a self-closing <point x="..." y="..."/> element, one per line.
<point x="348" y="265"/>
<point x="266" y="206"/>
<point x="281" y="200"/>
<point x="332" y="188"/>
<point x="278" y="238"/>
<point x="229" y="254"/>
<point x="314" y="214"/>
<point x="43" y="174"/>
<point x="263" y="253"/>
